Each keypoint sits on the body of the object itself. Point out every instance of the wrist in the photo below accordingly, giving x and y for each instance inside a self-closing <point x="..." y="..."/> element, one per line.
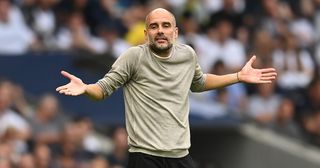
<point x="238" y="76"/>
<point x="86" y="88"/>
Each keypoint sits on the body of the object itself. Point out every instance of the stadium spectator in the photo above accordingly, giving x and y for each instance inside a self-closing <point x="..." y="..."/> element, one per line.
<point x="273" y="17"/>
<point x="231" y="10"/>
<point x="84" y="7"/>
<point x="219" y="5"/>
<point x="92" y="141"/>
<point x="108" y="12"/>
<point x="216" y="103"/>
<point x="134" y="19"/>
<point x="9" y="119"/>
<point x="15" y="37"/>
<point x="301" y="24"/>
<point x="27" y="7"/>
<point x="284" y="122"/>
<point x="42" y="156"/>
<point x="75" y="36"/>
<point x="221" y="45"/>
<point x="47" y="122"/>
<point x="20" y="103"/>
<point x="236" y="94"/>
<point x="44" y="23"/>
<point x="263" y="46"/>
<point x="189" y="32"/>
<point x="266" y="98"/>
<point x="26" y="161"/>
<point x="292" y="63"/>
<point x="114" y="45"/>
<point x="70" y="152"/>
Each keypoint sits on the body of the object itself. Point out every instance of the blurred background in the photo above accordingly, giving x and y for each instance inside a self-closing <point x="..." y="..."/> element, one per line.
<point x="245" y="126"/>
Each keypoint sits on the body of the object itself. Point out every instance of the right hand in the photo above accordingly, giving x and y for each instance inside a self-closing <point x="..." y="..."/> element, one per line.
<point x="74" y="88"/>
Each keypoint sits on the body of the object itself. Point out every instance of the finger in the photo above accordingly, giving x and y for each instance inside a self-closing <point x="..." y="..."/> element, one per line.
<point x="70" y="93"/>
<point x="61" y="88"/>
<point x="66" y="74"/>
<point x="265" y="81"/>
<point x="73" y="94"/>
<point x="267" y="70"/>
<point x="268" y="78"/>
<point x="252" y="59"/>
<point x="64" y="91"/>
<point x="269" y="74"/>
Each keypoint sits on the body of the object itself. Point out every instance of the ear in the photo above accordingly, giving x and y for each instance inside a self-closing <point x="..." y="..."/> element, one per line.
<point x="145" y="35"/>
<point x="176" y="32"/>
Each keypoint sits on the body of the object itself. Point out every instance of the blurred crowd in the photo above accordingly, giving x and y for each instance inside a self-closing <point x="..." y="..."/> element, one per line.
<point x="38" y="134"/>
<point x="225" y="33"/>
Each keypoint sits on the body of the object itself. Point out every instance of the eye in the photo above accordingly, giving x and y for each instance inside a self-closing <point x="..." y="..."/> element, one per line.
<point x="167" y="25"/>
<point x="153" y="26"/>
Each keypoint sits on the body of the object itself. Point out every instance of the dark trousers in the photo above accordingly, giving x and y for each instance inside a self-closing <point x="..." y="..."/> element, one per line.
<point x="141" y="160"/>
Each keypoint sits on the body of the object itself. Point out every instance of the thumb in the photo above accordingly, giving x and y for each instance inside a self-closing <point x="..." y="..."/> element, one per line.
<point x="252" y="59"/>
<point x="66" y="74"/>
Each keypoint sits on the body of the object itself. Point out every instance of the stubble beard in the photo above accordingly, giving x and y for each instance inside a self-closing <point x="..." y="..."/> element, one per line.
<point x="160" y="49"/>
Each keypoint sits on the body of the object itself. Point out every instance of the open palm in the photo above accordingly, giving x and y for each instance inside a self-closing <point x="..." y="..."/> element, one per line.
<point x="249" y="74"/>
<point x="74" y="88"/>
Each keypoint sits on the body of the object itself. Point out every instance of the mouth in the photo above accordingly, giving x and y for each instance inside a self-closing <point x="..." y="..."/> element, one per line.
<point x="161" y="39"/>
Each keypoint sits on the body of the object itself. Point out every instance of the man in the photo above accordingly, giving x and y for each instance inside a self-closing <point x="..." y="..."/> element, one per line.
<point x="157" y="77"/>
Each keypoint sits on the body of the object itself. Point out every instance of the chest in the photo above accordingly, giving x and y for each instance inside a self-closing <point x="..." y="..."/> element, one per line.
<point x="165" y="74"/>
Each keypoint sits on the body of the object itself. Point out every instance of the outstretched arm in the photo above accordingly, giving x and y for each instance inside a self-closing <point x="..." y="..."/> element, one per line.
<point x="248" y="74"/>
<point x="76" y="87"/>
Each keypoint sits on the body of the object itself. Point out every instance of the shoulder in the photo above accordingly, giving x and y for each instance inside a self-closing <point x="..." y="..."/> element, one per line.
<point x="130" y="58"/>
<point x="134" y="52"/>
<point x="181" y="46"/>
<point x="184" y="48"/>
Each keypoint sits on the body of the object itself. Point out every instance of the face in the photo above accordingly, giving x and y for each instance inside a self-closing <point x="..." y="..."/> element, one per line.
<point x="161" y="30"/>
<point x="48" y="107"/>
<point x="26" y="161"/>
<point x="76" y="22"/>
<point x="42" y="155"/>
<point x="225" y="30"/>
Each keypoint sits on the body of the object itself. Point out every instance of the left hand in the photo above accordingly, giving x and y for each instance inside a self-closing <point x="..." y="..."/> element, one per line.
<point x="250" y="75"/>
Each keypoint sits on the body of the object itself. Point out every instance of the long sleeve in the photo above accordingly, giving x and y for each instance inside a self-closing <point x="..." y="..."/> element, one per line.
<point x="120" y="72"/>
<point x="199" y="77"/>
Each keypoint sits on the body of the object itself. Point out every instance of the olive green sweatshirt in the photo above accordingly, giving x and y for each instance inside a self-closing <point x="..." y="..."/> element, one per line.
<point x="156" y="97"/>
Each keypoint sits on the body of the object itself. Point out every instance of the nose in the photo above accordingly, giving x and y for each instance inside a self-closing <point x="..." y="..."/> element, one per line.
<point x="160" y="30"/>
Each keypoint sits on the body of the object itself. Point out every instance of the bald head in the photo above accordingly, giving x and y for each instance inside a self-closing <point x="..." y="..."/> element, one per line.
<point x="161" y="31"/>
<point x="160" y="12"/>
